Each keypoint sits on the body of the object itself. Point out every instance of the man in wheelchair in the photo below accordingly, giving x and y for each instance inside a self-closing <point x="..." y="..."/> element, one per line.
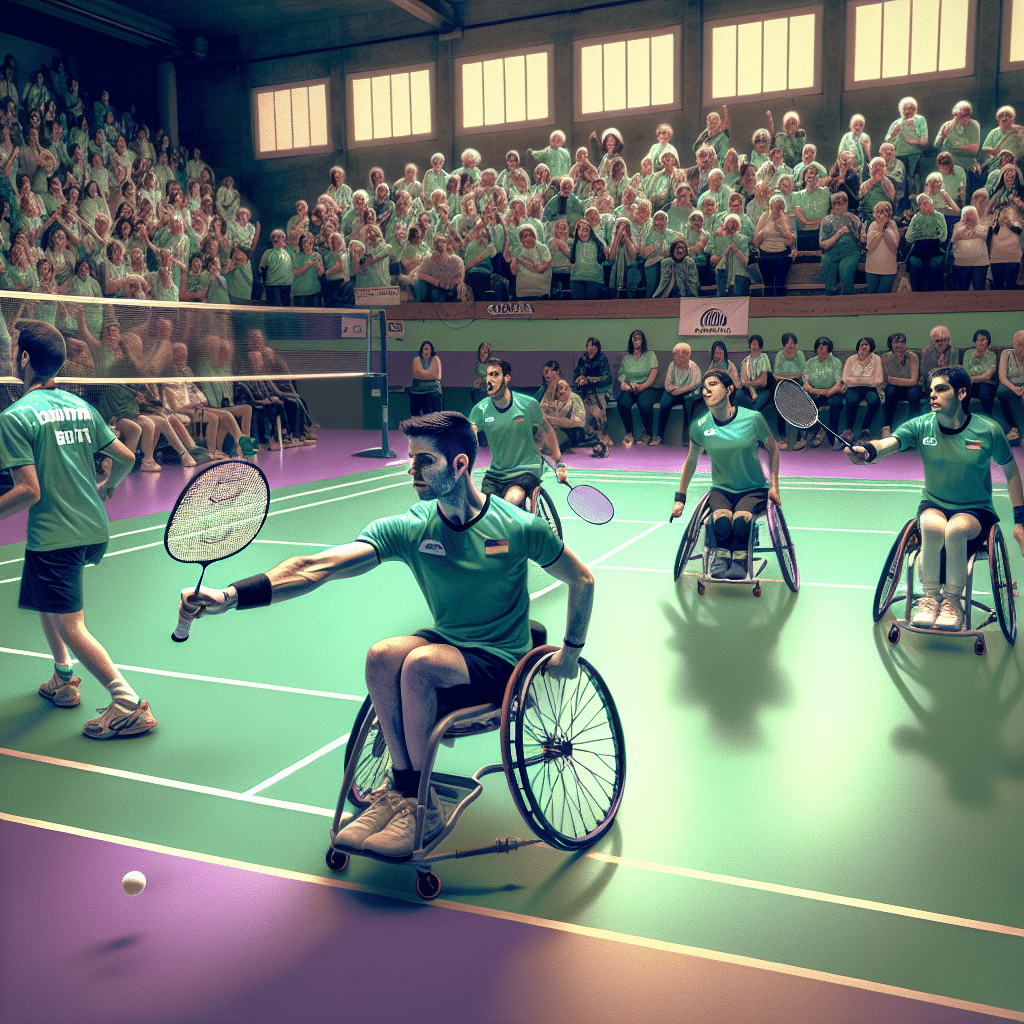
<point x="469" y="554"/>
<point x="956" y="449"/>
<point x="519" y="437"/>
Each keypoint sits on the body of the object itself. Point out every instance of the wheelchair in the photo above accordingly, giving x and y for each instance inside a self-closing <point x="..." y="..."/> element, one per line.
<point x="540" y="504"/>
<point x="903" y="555"/>
<point x="700" y="531"/>
<point x="563" y="756"/>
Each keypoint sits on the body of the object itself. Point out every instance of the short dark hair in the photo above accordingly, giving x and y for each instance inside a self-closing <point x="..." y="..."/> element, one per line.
<point x="451" y="434"/>
<point x="758" y="339"/>
<point x="643" y="341"/>
<point x="722" y="376"/>
<point x="984" y="334"/>
<point x="789" y="335"/>
<point x="870" y="341"/>
<point x="596" y="343"/>
<point x="506" y="366"/>
<point x="827" y="342"/>
<point x="893" y="338"/>
<point x="958" y="378"/>
<point x="44" y="345"/>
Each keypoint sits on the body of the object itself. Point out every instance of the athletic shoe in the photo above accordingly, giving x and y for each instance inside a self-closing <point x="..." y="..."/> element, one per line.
<point x="64" y="695"/>
<point x="115" y="723"/>
<point x="627" y="441"/>
<point x="384" y="803"/>
<point x="951" y="615"/>
<point x="737" y="570"/>
<point x="247" y="447"/>
<point x="818" y="439"/>
<point x="655" y="441"/>
<point x="398" y="838"/>
<point x="865" y="434"/>
<point x="719" y="565"/>
<point x="837" y="445"/>
<point x="926" y="612"/>
<point x="783" y="446"/>
<point x="886" y="432"/>
<point x="800" y="445"/>
<point x="187" y="461"/>
<point x="150" y="466"/>
<point x="646" y="439"/>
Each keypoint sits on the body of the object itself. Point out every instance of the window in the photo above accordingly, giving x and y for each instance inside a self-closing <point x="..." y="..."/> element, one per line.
<point x="504" y="89"/>
<point x="766" y="57"/>
<point x="293" y="119"/>
<point x="1013" y="35"/>
<point x="628" y="74"/>
<point x="908" y="40"/>
<point x="396" y="103"/>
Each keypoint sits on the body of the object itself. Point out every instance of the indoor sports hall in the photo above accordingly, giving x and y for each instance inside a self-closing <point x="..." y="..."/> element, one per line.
<point x="822" y="815"/>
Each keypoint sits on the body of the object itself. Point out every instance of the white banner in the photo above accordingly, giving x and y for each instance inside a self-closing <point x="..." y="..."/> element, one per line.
<point x="385" y="295"/>
<point x="715" y="317"/>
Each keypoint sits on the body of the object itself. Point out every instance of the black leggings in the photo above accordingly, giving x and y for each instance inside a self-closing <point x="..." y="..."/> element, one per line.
<point x="644" y="401"/>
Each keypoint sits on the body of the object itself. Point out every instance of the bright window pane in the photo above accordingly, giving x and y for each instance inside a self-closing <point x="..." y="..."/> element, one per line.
<point x="924" y="51"/>
<point x="494" y="92"/>
<point x="723" y="61"/>
<point x="867" y="60"/>
<point x="300" y="118"/>
<point x="283" y="119"/>
<point x="472" y="95"/>
<point x="536" y="86"/>
<point x="896" y="39"/>
<point x="380" y="90"/>
<point x="362" y="119"/>
<point x="591" y="79"/>
<point x="638" y="73"/>
<point x="265" y="117"/>
<point x="615" y="76"/>
<point x="401" y="123"/>
<point x="802" y="56"/>
<point x="953" y="35"/>
<point x="419" y="89"/>
<point x="748" y="59"/>
<point x="1017" y="30"/>
<point x="515" y="88"/>
<point x="318" y="135"/>
<point x="662" y="65"/>
<point x="776" y="47"/>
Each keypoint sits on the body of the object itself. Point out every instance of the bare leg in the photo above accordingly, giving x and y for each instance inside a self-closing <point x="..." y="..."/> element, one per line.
<point x="53" y="638"/>
<point x="148" y="436"/>
<point x="160" y="423"/>
<point x="242" y="413"/>
<point x="515" y="496"/>
<point x="212" y="421"/>
<point x="130" y="433"/>
<point x="384" y="662"/>
<point x="425" y="671"/>
<point x="71" y="630"/>
<point x="228" y="424"/>
<point x="933" y="539"/>
<point x="180" y="429"/>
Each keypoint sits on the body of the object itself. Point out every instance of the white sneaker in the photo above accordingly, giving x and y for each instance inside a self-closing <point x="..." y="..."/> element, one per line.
<point x="927" y="611"/>
<point x="951" y="615"/>
<point x="382" y="809"/>
<point x="398" y="838"/>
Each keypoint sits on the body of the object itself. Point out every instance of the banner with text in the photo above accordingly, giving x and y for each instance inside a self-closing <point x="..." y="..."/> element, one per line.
<point x="715" y="317"/>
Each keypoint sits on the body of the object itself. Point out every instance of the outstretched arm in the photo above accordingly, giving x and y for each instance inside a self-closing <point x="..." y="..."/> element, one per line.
<point x="580" y="582"/>
<point x="547" y="444"/>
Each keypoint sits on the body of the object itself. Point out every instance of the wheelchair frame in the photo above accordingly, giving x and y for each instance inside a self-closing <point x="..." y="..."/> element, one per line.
<point x="542" y="505"/>
<point x="553" y="740"/>
<point x="904" y="553"/>
<point x="781" y="545"/>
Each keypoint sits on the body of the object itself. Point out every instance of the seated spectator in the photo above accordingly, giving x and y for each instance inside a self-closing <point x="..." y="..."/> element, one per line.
<point x="883" y="241"/>
<point x="594" y="385"/>
<point x="558" y="244"/>
<point x="864" y="380"/>
<point x="441" y="277"/>
<point x="638" y="373"/>
<point x="789" y="365"/>
<point x="755" y="390"/>
<point x="839" y="237"/>
<point x="681" y="387"/>
<point x="564" y="411"/>
<point x="425" y="392"/>
<point x="1011" y="386"/>
<point x="730" y="253"/>
<point x="877" y="188"/>
<point x="970" y="251"/>
<point x="902" y="370"/>
<point x="981" y="366"/>
<point x="823" y="381"/>
<point x="720" y="361"/>
<point x="926" y="236"/>
<point x="678" y="273"/>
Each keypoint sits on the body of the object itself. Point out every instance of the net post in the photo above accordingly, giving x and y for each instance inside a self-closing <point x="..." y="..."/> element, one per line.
<point x="384" y="451"/>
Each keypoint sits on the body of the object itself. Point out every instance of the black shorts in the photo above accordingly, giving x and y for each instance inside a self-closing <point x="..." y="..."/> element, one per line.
<point x="488" y="677"/>
<point x="51" y="581"/>
<point x="754" y="502"/>
<point x="491" y="485"/>
<point x="987" y="518"/>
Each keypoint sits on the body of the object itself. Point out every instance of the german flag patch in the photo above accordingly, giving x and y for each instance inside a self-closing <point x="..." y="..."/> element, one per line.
<point x="973" y="446"/>
<point x="518" y="419"/>
<point x="495" y="547"/>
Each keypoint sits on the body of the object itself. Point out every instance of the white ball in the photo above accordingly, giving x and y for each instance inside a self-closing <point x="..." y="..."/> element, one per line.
<point x="133" y="883"/>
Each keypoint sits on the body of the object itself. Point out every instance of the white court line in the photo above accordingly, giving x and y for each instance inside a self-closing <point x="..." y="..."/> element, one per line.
<point x="291" y="769"/>
<point x="208" y="679"/>
<point x="536" y="922"/>
<point x="296" y="543"/>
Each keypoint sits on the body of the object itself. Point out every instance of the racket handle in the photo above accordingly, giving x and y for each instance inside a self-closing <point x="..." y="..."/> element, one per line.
<point x="180" y="634"/>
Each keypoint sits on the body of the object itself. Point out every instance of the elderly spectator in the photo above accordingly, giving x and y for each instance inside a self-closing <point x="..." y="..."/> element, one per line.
<point x="864" y="380"/>
<point x="883" y="239"/>
<point x="593" y="381"/>
<point x="1011" y="386"/>
<point x="981" y="367"/>
<point x="565" y="413"/>
<point x="840" y="236"/>
<point x="823" y="381"/>
<point x="789" y="365"/>
<point x="926" y="236"/>
<point x="960" y="136"/>
<point x="681" y="387"/>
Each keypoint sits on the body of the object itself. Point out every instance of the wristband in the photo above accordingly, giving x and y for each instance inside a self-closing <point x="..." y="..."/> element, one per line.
<point x="872" y="451"/>
<point x="559" y="465"/>
<point x="681" y="496"/>
<point x="568" y="643"/>
<point x="1018" y="515"/>
<point x="253" y="592"/>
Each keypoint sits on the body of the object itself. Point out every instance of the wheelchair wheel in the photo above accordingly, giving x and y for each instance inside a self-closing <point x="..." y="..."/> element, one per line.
<point x="1002" y="584"/>
<point x="908" y="539"/>
<point x="563" y="752"/>
<point x="693" y="536"/>
<point x="544" y="507"/>
<point x="783" y="544"/>
<point x="374" y="758"/>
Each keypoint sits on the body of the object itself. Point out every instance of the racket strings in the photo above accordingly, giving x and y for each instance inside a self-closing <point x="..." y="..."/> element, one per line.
<point x="795" y="406"/>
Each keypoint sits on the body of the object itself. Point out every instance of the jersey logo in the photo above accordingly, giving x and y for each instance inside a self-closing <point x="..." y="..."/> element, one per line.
<point x="518" y="419"/>
<point x="433" y="547"/>
<point x="929" y="440"/>
<point x="488" y="419"/>
<point x="495" y="547"/>
<point x="709" y="433"/>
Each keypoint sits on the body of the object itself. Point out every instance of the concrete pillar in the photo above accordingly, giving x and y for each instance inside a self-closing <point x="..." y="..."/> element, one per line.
<point x="167" y="98"/>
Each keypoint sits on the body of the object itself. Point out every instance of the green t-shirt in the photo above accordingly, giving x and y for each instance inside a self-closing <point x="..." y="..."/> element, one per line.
<point x="510" y="435"/>
<point x="813" y="205"/>
<point x="823" y="375"/>
<point x="957" y="474"/>
<point x="636" y="371"/>
<point x="1013" y="142"/>
<point x="473" y="576"/>
<point x="59" y="433"/>
<point x="787" y="366"/>
<point x="279" y="268"/>
<point x="732" y="448"/>
<point x="306" y="283"/>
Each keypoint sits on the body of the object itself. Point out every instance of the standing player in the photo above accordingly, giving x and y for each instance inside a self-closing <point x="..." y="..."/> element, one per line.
<point x="48" y="439"/>
<point x="956" y="449"/>
<point x="518" y="436"/>
<point x="469" y="554"/>
<point x="739" y="490"/>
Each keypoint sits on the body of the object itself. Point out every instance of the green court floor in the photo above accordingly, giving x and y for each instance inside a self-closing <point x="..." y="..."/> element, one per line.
<point x="799" y="791"/>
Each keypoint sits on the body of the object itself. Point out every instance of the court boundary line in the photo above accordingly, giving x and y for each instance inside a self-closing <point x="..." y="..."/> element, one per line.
<point x="300" y="764"/>
<point x="584" y="931"/>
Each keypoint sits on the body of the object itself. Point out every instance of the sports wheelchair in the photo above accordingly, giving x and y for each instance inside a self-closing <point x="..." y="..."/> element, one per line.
<point x="540" y="504"/>
<point x="701" y="531"/>
<point x="562" y="753"/>
<point x="904" y="554"/>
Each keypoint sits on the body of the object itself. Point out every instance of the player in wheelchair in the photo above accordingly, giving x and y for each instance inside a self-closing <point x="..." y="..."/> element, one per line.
<point x="957" y="510"/>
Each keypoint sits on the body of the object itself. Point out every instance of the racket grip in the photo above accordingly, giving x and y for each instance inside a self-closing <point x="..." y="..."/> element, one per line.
<point x="180" y="634"/>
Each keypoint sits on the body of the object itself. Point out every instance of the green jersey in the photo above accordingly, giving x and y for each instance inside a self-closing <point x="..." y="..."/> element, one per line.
<point x="957" y="474"/>
<point x="732" y="447"/>
<point x="58" y="433"/>
<point x="510" y="435"/>
<point x="472" y="575"/>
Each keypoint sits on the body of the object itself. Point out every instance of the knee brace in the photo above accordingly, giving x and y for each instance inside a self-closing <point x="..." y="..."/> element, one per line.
<point x="723" y="531"/>
<point x="740" y="532"/>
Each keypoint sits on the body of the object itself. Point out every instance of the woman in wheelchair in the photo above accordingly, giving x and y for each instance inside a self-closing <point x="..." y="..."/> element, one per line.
<point x="956" y="449"/>
<point x="739" y="490"/>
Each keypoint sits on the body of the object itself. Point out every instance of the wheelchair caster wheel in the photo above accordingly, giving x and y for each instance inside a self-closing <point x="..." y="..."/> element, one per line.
<point x="979" y="646"/>
<point x="428" y="886"/>
<point x="336" y="860"/>
<point x="701" y="588"/>
<point x="757" y="591"/>
<point x="894" y="634"/>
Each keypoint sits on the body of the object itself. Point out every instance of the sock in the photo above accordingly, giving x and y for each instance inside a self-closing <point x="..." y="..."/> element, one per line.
<point x="407" y="781"/>
<point x="63" y="672"/>
<point x="122" y="694"/>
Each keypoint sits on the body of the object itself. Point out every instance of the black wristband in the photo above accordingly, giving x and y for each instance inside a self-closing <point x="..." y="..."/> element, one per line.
<point x="872" y="451"/>
<point x="1018" y="515"/>
<point x="568" y="643"/>
<point x="681" y="496"/>
<point x="254" y="592"/>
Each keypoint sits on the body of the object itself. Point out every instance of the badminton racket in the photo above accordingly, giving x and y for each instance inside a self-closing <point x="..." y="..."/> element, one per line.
<point x="800" y="410"/>
<point x="590" y="504"/>
<point x="219" y="513"/>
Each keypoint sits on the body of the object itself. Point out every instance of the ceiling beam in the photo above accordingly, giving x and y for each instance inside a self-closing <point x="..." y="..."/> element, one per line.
<point x="438" y="16"/>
